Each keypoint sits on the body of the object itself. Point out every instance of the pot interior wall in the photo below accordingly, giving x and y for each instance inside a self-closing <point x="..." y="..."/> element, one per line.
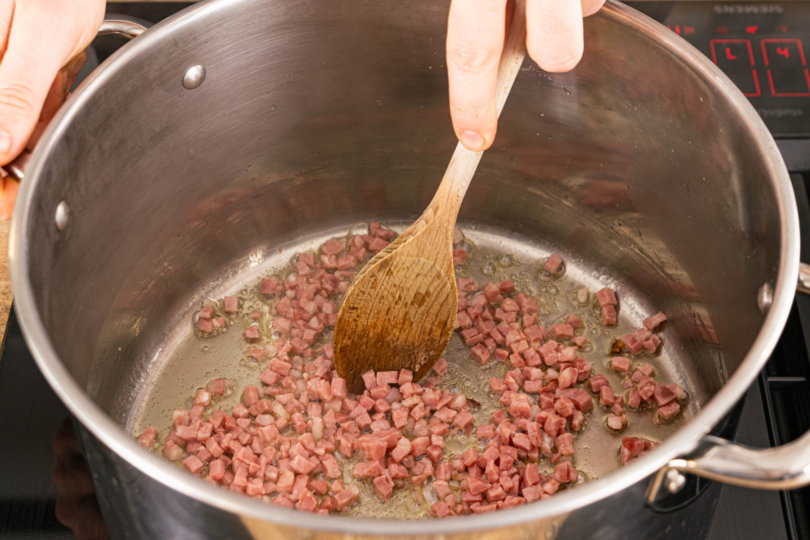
<point x="315" y="116"/>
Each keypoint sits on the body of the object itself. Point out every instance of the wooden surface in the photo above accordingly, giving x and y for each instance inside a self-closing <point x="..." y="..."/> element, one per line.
<point x="5" y="280"/>
<point x="400" y="310"/>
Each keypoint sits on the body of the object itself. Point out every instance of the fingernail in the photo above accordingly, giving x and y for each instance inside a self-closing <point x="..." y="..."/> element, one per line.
<point x="5" y="142"/>
<point x="472" y="140"/>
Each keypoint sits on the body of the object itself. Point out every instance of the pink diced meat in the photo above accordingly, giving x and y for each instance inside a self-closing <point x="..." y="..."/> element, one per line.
<point x="652" y="323"/>
<point x="553" y="264"/>
<point x="606" y="297"/>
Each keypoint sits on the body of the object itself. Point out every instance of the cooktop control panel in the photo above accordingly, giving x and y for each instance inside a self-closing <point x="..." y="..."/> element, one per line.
<point x="762" y="47"/>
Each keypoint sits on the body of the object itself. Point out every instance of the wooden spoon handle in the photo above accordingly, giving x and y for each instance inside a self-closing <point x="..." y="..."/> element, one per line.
<point x="448" y="198"/>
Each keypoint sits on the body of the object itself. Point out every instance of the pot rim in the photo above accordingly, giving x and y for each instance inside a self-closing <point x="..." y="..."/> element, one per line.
<point x="159" y="469"/>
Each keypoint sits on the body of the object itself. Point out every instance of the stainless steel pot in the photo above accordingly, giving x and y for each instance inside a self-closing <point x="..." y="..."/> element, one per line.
<point x="240" y="126"/>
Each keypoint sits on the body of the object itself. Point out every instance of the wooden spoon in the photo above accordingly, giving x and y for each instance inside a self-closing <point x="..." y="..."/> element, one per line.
<point x="401" y="308"/>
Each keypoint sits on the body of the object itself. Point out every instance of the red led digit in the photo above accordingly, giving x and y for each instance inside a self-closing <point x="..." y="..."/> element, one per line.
<point x="732" y="61"/>
<point x="787" y="67"/>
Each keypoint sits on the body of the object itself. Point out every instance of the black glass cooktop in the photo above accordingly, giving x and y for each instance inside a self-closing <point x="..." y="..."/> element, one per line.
<point x="46" y="491"/>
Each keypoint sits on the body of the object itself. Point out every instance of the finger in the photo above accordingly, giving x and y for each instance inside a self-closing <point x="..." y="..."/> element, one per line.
<point x="8" y="196"/>
<point x="589" y="7"/>
<point x="6" y="17"/>
<point x="27" y="71"/>
<point x="475" y="35"/>
<point x="81" y="515"/>
<point x="554" y="38"/>
<point x="59" y="92"/>
<point x="65" y="440"/>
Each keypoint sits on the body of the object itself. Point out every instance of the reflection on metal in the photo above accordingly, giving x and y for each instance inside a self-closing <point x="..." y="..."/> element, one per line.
<point x="675" y="481"/>
<point x="780" y="468"/>
<point x="804" y="278"/>
<point x="193" y="77"/>
<point x="765" y="297"/>
<point x="62" y="215"/>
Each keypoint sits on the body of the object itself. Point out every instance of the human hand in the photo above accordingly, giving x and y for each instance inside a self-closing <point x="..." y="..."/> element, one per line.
<point x="39" y="38"/>
<point x="42" y="45"/>
<point x="475" y="35"/>
<point x="76" y="503"/>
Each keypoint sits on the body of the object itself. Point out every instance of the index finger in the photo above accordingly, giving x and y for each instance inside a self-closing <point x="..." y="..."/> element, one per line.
<point x="475" y="34"/>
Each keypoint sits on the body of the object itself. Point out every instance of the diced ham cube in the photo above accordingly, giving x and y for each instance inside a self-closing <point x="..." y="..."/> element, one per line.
<point x="331" y="467"/>
<point x="568" y="377"/>
<point x="565" y="444"/>
<point x="609" y="315"/>
<point x="652" y="323"/>
<point x="419" y="445"/>
<point x="440" y="367"/>
<point x="582" y="401"/>
<point x="302" y="465"/>
<point x="440" y="509"/>
<point x="344" y="498"/>
<point x="679" y="392"/>
<point x="148" y="437"/>
<point x="459" y="256"/>
<point x="565" y="472"/>
<point x="652" y="344"/>
<point x="338" y="387"/>
<point x="620" y="364"/>
<point x="384" y="486"/>
<point x="606" y="396"/>
<point x="367" y="469"/>
<point x="481" y="354"/>
<point x="250" y="396"/>
<point x="192" y="464"/>
<point x="646" y="369"/>
<point x="332" y="247"/>
<point x="370" y="379"/>
<point x="507" y="286"/>
<point x="252" y="332"/>
<point x="562" y="331"/>
<point x="377" y="245"/>
<point x="606" y="297"/>
<point x="663" y="395"/>
<point x="532" y="493"/>
<point x="615" y="422"/>
<point x="231" y="304"/>
<point x="553" y="264"/>
<point x="271" y="286"/>
<point x="669" y="410"/>
<point x="217" y="387"/>
<point x="462" y="419"/>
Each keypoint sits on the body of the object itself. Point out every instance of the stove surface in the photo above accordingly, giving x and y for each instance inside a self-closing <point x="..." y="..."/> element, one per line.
<point x="46" y="491"/>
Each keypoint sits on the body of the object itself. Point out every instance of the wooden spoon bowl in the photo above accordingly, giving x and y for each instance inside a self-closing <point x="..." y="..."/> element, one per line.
<point x="400" y="310"/>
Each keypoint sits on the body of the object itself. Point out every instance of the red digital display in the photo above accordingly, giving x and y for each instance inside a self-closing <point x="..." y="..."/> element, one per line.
<point x="736" y="58"/>
<point x="737" y="49"/>
<point x="787" y="67"/>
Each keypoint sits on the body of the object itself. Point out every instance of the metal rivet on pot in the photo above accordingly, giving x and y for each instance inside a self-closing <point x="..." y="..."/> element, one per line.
<point x="765" y="297"/>
<point x="194" y="77"/>
<point x="675" y="481"/>
<point x="62" y="215"/>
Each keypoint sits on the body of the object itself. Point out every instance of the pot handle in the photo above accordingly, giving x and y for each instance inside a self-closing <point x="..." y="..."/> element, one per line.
<point x="122" y="25"/>
<point x="783" y="467"/>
